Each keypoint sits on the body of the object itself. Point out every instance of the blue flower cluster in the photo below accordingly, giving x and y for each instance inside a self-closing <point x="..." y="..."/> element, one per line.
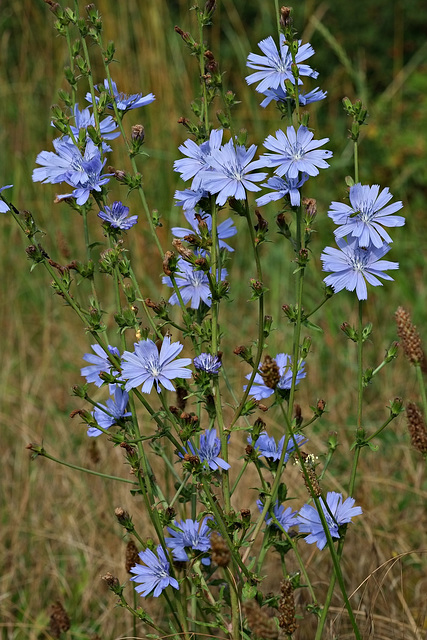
<point x="362" y="240"/>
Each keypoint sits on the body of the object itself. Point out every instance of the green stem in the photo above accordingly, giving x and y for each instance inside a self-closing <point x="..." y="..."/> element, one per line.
<point x="360" y="366"/>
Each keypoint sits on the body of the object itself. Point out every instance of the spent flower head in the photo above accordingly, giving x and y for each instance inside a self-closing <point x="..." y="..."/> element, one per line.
<point x="154" y="575"/>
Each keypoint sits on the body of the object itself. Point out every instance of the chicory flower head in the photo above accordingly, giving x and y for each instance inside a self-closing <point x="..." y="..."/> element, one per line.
<point x="282" y="187"/>
<point x="124" y="102"/>
<point x="3" y="206"/>
<point x="147" y="366"/>
<point x="274" y="68"/>
<point x="209" y="450"/>
<point x="189" y="534"/>
<point x="284" y="516"/>
<point x="260" y="391"/>
<point x="117" y="216"/>
<point x="98" y="363"/>
<point x="351" y="265"/>
<point x="208" y="363"/>
<point x="197" y="161"/>
<point x="109" y="414"/>
<point x="266" y="445"/>
<point x="336" y="513"/>
<point x="367" y="215"/>
<point x="153" y="575"/>
<point x="282" y="96"/>
<point x="193" y="285"/>
<point x="225" y="229"/>
<point x="296" y="152"/>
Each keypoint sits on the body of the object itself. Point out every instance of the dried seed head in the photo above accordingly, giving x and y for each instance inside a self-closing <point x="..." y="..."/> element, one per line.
<point x="409" y="337"/>
<point x="287" y="620"/>
<point x="59" y="620"/>
<point x="285" y="17"/>
<point x="111" y="581"/>
<point x="310" y="205"/>
<point x="138" y="132"/>
<point x="220" y="552"/>
<point x="166" y="261"/>
<point x="132" y="557"/>
<point x="181" y="397"/>
<point x="416" y="427"/>
<point x="312" y="483"/>
<point x="260" y="622"/>
<point x="270" y="372"/>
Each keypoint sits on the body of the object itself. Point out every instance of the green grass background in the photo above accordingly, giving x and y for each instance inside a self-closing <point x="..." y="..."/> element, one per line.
<point x="58" y="534"/>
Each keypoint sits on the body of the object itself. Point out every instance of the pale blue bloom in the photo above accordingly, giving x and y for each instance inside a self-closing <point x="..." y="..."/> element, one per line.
<point x="285" y="516"/>
<point x="367" y="215"/>
<point x="351" y="265"/>
<point x="208" y="363"/>
<point x="118" y="216"/>
<point x="296" y="152"/>
<point x="146" y="365"/>
<point x="266" y="445"/>
<point x="230" y="173"/>
<point x="225" y="229"/>
<point x="282" y="96"/>
<point x="198" y="157"/>
<point x="209" y="450"/>
<point x="111" y="413"/>
<point x="124" y="102"/>
<point x="274" y="68"/>
<point x="188" y="198"/>
<point x="193" y="284"/>
<point x="154" y="574"/>
<point x="309" y="521"/>
<point x="190" y="535"/>
<point x="3" y="206"/>
<point x="260" y="391"/>
<point x="98" y="363"/>
<point x="283" y="187"/>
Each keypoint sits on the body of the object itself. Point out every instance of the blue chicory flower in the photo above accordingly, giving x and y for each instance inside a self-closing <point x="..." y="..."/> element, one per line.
<point x="111" y="413"/>
<point x="284" y="516"/>
<point x="154" y="574"/>
<point x="283" y="187"/>
<point x="189" y="534"/>
<point x="275" y="67"/>
<point x="192" y="283"/>
<point x="351" y="265"/>
<point x="123" y="102"/>
<point x="296" y="152"/>
<point x="84" y="119"/>
<point x="266" y="445"/>
<point x="225" y="229"/>
<point x="260" y="391"/>
<point x="197" y="161"/>
<point x="3" y="206"/>
<point x="146" y="365"/>
<point x="230" y="174"/>
<point x="282" y="96"/>
<point x="208" y="363"/>
<point x="367" y="215"/>
<point x="209" y="450"/>
<point x="118" y="216"/>
<point x="309" y="520"/>
<point x="188" y="198"/>
<point x="98" y="363"/>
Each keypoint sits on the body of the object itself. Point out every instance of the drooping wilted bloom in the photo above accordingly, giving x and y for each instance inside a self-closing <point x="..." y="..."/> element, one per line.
<point x="118" y="216"/>
<point x="296" y="152"/>
<point x="193" y="285"/>
<point x="282" y="96"/>
<point x="260" y="390"/>
<point x="146" y="365"/>
<point x="3" y="206"/>
<point x="153" y="575"/>
<point x="284" y="515"/>
<point x="109" y="414"/>
<point x="352" y="265"/>
<point x="309" y="520"/>
<point x="98" y="363"/>
<point x="189" y="534"/>
<point x="281" y="187"/>
<point x="266" y="445"/>
<point x="230" y="173"/>
<point x="367" y="215"/>
<point x="275" y="67"/>
<point x="124" y="102"/>
<point x="197" y="161"/>
<point x="225" y="229"/>
<point x="208" y="363"/>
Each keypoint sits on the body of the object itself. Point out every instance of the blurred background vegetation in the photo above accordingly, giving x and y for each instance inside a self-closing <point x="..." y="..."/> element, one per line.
<point x="58" y="533"/>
